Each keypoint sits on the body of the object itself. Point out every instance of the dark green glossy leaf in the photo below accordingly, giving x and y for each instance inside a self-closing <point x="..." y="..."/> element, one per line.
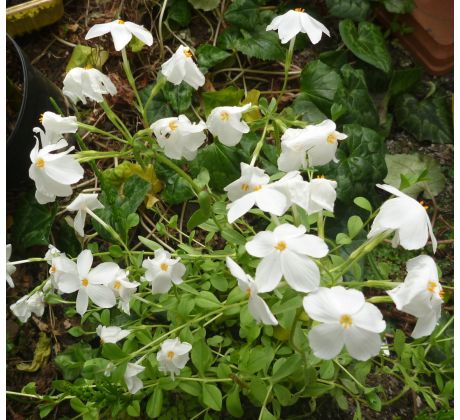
<point x="247" y="14"/>
<point x="403" y="80"/>
<point x="226" y="97"/>
<point x="179" y="97"/>
<point x="180" y="12"/>
<point x="349" y="9"/>
<point x="209" y="55"/>
<point x="158" y="107"/>
<point x="307" y="110"/>
<point x="205" y="5"/>
<point x="212" y="397"/>
<point x="176" y="190"/>
<point x="399" y="6"/>
<point x="155" y="403"/>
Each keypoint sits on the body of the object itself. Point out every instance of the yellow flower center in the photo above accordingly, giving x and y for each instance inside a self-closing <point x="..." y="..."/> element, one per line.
<point x="442" y="293"/>
<point x="173" y="125"/>
<point x="117" y="285"/>
<point x="53" y="269"/>
<point x="187" y="53"/>
<point x="257" y="187"/>
<point x="120" y="22"/>
<point x="41" y="119"/>
<point x="245" y="187"/>
<point x="331" y="138"/>
<point x="85" y="282"/>
<point x="170" y="355"/>
<point x="299" y="9"/>
<point x="424" y="205"/>
<point x="248" y="292"/>
<point x="224" y="116"/>
<point x="431" y="286"/>
<point x="164" y="266"/>
<point x="346" y="321"/>
<point x="40" y="163"/>
<point x="281" y="246"/>
<point x="320" y="177"/>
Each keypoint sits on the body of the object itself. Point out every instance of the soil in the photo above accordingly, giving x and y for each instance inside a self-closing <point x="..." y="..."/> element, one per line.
<point x="49" y="50"/>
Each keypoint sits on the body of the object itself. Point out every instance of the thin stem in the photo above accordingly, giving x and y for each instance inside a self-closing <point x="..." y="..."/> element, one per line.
<point x="259" y="145"/>
<point x="116" y="121"/>
<point x="264" y="405"/>
<point x="287" y="66"/>
<point x="96" y="130"/>
<point x="155" y="91"/>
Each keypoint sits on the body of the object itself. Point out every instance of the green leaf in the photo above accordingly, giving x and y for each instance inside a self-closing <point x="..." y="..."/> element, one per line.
<point x="76" y="331"/>
<point x="158" y="107"/>
<point x="306" y="110"/>
<point x="180" y="12"/>
<point x="342" y="239"/>
<point x="208" y="55"/>
<point x="399" y="342"/>
<point x="201" y="356"/>
<point x="212" y="397"/>
<point x="286" y="368"/>
<point x="354" y="224"/>
<point x="30" y="388"/>
<point x="72" y="359"/>
<point x="319" y="83"/>
<point x="374" y="401"/>
<point x="349" y="9"/>
<point x="134" y="409"/>
<point x="427" y="120"/>
<point x="399" y="6"/>
<point x="179" y="97"/>
<point x="78" y="405"/>
<point x="229" y="96"/>
<point x="403" y="80"/>
<point x="203" y="213"/>
<point x="247" y="14"/>
<point x="415" y="166"/>
<point x="363" y="203"/>
<point x="155" y="403"/>
<point x="83" y="56"/>
<point x="94" y="368"/>
<point x="367" y="43"/>
<point x="205" y="5"/>
<point x="207" y="300"/>
<point x="176" y="190"/>
<point x="232" y="236"/>
<point x="112" y="352"/>
<point x="361" y="163"/>
<point x="32" y="222"/>
<point x="233" y="403"/>
<point x="41" y="354"/>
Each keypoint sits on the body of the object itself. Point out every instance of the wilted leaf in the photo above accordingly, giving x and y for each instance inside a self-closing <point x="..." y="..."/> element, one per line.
<point x="41" y="354"/>
<point x="83" y="56"/>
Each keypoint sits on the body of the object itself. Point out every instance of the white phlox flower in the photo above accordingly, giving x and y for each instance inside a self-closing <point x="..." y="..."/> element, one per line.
<point x="253" y="189"/>
<point x="122" y="287"/>
<point x="121" y="32"/>
<point x="81" y="83"/>
<point x="163" y="271"/>
<point x="179" y="137"/>
<point x="82" y="203"/>
<point x="10" y="268"/>
<point x="90" y="283"/>
<point x="296" y="21"/>
<point x="421" y="294"/>
<point x="314" y="145"/>
<point x="133" y="383"/>
<point x="173" y="356"/>
<point x="226" y="123"/>
<point x="346" y="319"/>
<point x="286" y="252"/>
<point x="55" y="126"/>
<point x="406" y="217"/>
<point x="27" y="305"/>
<point x="60" y="265"/>
<point x="53" y="173"/>
<point x="181" y="67"/>
<point x="257" y="306"/>
<point x="111" y="334"/>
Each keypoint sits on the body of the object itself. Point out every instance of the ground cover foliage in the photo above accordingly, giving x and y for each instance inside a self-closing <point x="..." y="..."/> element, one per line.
<point x="244" y="357"/>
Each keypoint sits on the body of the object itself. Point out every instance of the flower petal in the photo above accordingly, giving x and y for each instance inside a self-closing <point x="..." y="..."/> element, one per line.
<point x="84" y="262"/>
<point x="261" y="245"/>
<point x="301" y="273"/>
<point x="240" y="207"/>
<point x="82" y="301"/>
<point x="268" y="273"/>
<point x="102" y="296"/>
<point x="326" y="340"/>
<point x="260" y="311"/>
<point x="362" y="344"/>
<point x="369" y="318"/>
<point x="309" y="245"/>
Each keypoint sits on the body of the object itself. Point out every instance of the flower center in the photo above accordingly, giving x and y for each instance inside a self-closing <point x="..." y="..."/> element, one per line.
<point x="173" y="125"/>
<point x="424" y="205"/>
<point x="346" y="321"/>
<point x="120" y="22"/>
<point x="248" y="292"/>
<point x="431" y="286"/>
<point x="281" y="246"/>
<point x="85" y="282"/>
<point x="170" y="355"/>
<point x="41" y="118"/>
<point x="299" y="9"/>
<point x="117" y="285"/>
<point x="187" y="53"/>
<point x="53" y="269"/>
<point x="164" y="266"/>
<point x="442" y="293"/>
<point x="40" y="163"/>
<point x="257" y="187"/>
<point x="245" y="187"/>
<point x="224" y="116"/>
<point x="331" y="138"/>
<point x="320" y="177"/>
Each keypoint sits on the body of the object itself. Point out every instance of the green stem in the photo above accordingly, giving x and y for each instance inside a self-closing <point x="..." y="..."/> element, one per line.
<point x="259" y="145"/>
<point x="132" y="82"/>
<point x="380" y="299"/>
<point x="96" y="130"/>
<point x="116" y="121"/>
<point x="155" y="91"/>
<point x="320" y="225"/>
<point x="287" y="66"/>
<point x="264" y="405"/>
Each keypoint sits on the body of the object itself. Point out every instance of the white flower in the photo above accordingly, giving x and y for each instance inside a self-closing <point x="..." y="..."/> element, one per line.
<point x="286" y="252"/>
<point x="27" y="305"/>
<point x="133" y="383"/>
<point x="162" y="271"/>
<point x="55" y="125"/>
<point x="181" y="67"/>
<point x="295" y="21"/>
<point x="53" y="173"/>
<point x="60" y="265"/>
<point x="420" y="295"/>
<point x="123" y="288"/>
<point x="111" y="334"/>
<point x="10" y="268"/>
<point x="121" y="32"/>
<point x="407" y="218"/>
<point x="90" y="283"/>
<point x="80" y="205"/>
<point x="225" y="123"/>
<point x="257" y="306"/>
<point x="179" y="137"/>
<point x="173" y="356"/>
<point x="251" y="189"/>
<point x="314" y="145"/>
<point x="347" y="319"/>
<point x="80" y="83"/>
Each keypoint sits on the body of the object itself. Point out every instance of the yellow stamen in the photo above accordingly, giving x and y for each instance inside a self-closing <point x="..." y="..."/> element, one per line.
<point x="346" y="321"/>
<point x="187" y="53"/>
<point x="257" y="187"/>
<point x="299" y="9"/>
<point x="170" y="355"/>
<point x="85" y="282"/>
<point x="320" y="177"/>
<point x="164" y="266"/>
<point x="281" y="246"/>
<point x="224" y="116"/>
<point x="248" y="292"/>
<point x="424" y="205"/>
<point x="40" y="163"/>
<point x="117" y="285"/>
<point x="432" y="286"/>
<point x="41" y="119"/>
<point x="245" y="187"/>
<point x="53" y="269"/>
<point x="331" y="138"/>
<point x="442" y="293"/>
<point x="173" y="125"/>
<point x="120" y="22"/>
